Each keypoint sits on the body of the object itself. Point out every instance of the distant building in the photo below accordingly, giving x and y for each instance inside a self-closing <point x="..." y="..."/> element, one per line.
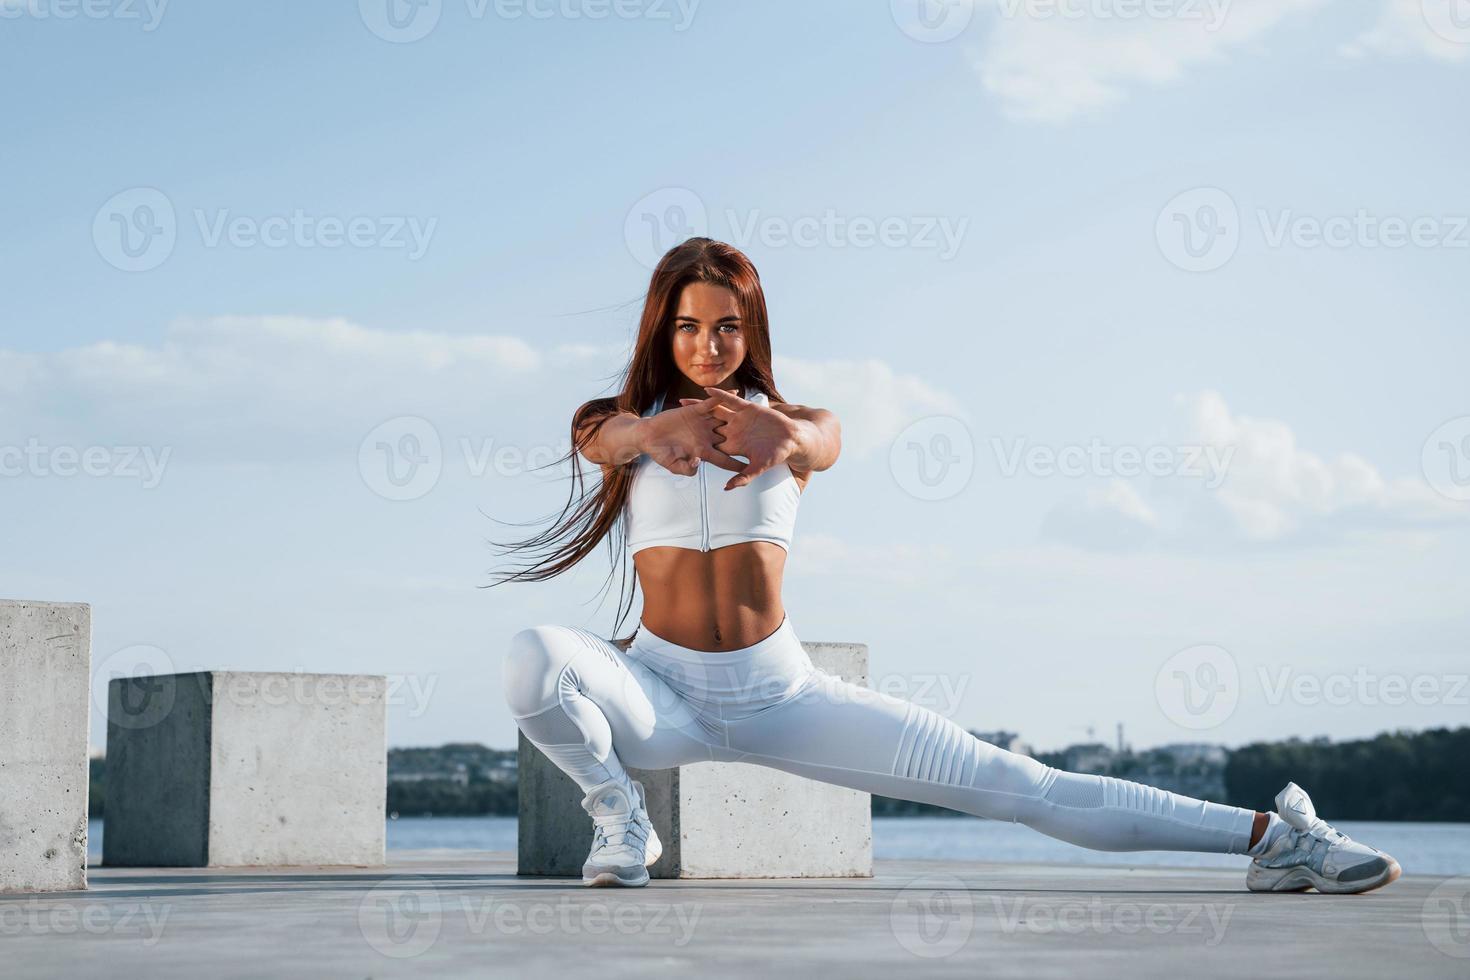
<point x="1010" y="741"/>
<point x="1088" y="757"/>
<point x="457" y="773"/>
<point x="1195" y="753"/>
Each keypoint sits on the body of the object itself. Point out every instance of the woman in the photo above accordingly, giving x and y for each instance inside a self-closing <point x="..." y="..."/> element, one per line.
<point x="714" y="670"/>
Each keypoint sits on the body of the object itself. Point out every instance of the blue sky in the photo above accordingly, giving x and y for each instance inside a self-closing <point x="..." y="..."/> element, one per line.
<point x="1199" y="228"/>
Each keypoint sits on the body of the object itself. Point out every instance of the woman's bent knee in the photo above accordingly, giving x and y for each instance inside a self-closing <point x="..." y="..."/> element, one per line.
<point x="532" y="667"/>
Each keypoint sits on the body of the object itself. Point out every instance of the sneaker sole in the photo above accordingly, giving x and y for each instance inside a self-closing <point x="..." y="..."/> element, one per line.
<point x="605" y="879"/>
<point x="1300" y="879"/>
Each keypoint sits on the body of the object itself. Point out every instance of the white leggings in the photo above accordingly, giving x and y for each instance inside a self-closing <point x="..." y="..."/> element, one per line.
<point x="592" y="708"/>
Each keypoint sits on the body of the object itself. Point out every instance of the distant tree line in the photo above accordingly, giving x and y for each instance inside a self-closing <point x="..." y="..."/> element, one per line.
<point x="1395" y="776"/>
<point x="444" y="798"/>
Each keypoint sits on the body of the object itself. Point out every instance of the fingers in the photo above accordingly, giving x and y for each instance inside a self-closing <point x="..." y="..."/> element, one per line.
<point x="721" y="396"/>
<point x="748" y="474"/>
<point x="707" y="406"/>
<point x="723" y="461"/>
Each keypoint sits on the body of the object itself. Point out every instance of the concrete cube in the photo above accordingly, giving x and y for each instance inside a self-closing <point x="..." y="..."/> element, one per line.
<point x="45" y="720"/>
<point x="234" y="769"/>
<point x="715" y="819"/>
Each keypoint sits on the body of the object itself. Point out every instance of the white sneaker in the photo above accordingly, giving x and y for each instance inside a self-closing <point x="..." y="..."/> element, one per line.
<point x="1310" y="853"/>
<point x="624" y="844"/>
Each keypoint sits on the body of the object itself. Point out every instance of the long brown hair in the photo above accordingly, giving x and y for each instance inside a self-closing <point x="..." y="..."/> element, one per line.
<point x="589" y="517"/>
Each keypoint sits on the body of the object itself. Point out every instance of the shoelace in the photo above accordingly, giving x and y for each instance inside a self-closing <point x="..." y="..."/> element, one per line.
<point x="1319" y="838"/>
<point x="605" y="825"/>
<point x="1323" y="830"/>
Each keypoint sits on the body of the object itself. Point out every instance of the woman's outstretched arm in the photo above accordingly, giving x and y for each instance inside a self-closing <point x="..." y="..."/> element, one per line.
<point x="819" y="440"/>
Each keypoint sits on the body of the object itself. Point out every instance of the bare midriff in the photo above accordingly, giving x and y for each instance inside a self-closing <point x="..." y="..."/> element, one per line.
<point x="716" y="600"/>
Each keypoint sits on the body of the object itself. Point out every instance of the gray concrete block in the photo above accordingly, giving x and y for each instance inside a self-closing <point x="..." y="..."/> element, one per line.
<point x="45" y="717"/>
<point x="244" y="769"/>
<point x="716" y="819"/>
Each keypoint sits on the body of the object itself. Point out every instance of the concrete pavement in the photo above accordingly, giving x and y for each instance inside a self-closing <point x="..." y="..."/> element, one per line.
<point x="460" y="913"/>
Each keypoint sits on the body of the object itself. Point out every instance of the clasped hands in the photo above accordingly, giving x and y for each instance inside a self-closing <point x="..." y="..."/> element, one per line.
<point x="715" y="427"/>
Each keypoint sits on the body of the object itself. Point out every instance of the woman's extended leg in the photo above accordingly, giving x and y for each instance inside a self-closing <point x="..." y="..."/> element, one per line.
<point x="838" y="732"/>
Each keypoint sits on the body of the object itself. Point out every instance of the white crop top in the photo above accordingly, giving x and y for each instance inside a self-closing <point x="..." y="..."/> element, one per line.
<point x="697" y="512"/>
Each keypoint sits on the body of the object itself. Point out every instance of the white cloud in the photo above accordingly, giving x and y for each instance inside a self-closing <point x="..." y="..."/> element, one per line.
<point x="1053" y="60"/>
<point x="1049" y="61"/>
<point x="825" y="555"/>
<point x="1273" y="491"/>
<point x="1111" y="517"/>
<point x="874" y="402"/>
<point x="260" y="388"/>
<point x="1274" y="487"/>
<point x="245" y="388"/>
<point x="1437" y="28"/>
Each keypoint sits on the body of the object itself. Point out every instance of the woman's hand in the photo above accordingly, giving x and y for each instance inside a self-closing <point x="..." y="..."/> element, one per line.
<point x="758" y="432"/>
<point x="679" y="438"/>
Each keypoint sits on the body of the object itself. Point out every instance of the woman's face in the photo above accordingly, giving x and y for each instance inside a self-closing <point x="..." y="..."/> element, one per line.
<point x="709" y="335"/>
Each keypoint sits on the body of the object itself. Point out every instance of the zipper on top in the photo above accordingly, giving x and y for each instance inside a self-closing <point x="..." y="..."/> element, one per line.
<point x="703" y="509"/>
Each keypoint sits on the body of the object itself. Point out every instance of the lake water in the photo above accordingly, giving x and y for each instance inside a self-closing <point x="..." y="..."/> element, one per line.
<point x="1422" y="848"/>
